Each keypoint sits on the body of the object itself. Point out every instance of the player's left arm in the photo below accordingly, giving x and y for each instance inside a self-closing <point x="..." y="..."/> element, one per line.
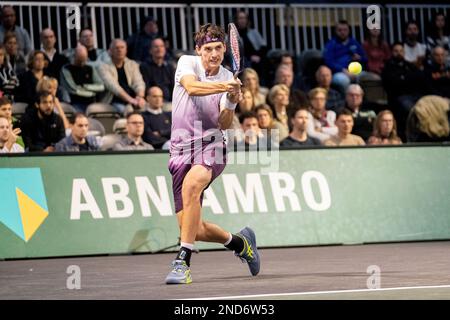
<point x="227" y="106"/>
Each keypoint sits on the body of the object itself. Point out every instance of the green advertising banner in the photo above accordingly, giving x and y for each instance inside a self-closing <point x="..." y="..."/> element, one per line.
<point x="122" y="203"/>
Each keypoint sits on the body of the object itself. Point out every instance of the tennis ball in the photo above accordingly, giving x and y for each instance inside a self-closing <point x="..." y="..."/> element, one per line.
<point x="354" y="67"/>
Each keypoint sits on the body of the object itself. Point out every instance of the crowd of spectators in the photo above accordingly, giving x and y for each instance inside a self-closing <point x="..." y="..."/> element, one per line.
<point x="281" y="107"/>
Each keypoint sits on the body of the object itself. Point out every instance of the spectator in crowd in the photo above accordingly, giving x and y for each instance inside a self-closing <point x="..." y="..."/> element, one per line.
<point x="253" y="139"/>
<point x="96" y="56"/>
<point x="254" y="45"/>
<point x="81" y="81"/>
<point x="384" y="129"/>
<point x="404" y="84"/>
<point x="6" y="112"/>
<point x="428" y="120"/>
<point x="26" y="92"/>
<point x="8" y="138"/>
<point x="8" y="79"/>
<point x="15" y="58"/>
<point x="377" y="51"/>
<point x="438" y="72"/>
<point x="415" y="51"/>
<point x="157" y="71"/>
<point x="363" y="117"/>
<point x="41" y="127"/>
<point x="139" y="43"/>
<point x="247" y="103"/>
<point x="78" y="140"/>
<point x="266" y="123"/>
<point x="335" y="100"/>
<point x="299" y="136"/>
<point x="279" y="99"/>
<point x="54" y="60"/>
<point x="250" y="80"/>
<point x="285" y="75"/>
<point x="339" y="52"/>
<point x="122" y="79"/>
<point x="8" y="18"/>
<point x="157" y="123"/>
<point x="133" y="140"/>
<point x="51" y="85"/>
<point x="439" y="32"/>
<point x="321" y="122"/>
<point x="344" y="122"/>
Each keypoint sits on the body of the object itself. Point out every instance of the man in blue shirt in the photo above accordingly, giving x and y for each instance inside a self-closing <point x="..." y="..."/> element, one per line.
<point x="339" y="52"/>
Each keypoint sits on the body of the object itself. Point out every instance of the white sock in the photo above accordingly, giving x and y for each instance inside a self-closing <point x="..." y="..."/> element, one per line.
<point x="230" y="237"/>
<point x="189" y="246"/>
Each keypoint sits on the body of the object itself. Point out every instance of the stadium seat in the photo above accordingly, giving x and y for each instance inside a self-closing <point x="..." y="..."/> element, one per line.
<point x="96" y="128"/>
<point x="120" y="126"/>
<point x="18" y="109"/>
<point x="68" y="109"/>
<point x="108" y="141"/>
<point x="374" y="91"/>
<point x="105" y="113"/>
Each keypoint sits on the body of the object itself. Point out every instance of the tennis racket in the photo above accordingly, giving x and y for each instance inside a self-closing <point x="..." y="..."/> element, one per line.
<point x="233" y="36"/>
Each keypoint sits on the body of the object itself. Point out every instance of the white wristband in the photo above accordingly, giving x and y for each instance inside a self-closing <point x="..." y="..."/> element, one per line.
<point x="227" y="103"/>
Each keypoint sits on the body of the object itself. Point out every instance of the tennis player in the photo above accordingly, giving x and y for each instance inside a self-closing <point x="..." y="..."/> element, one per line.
<point x="204" y="98"/>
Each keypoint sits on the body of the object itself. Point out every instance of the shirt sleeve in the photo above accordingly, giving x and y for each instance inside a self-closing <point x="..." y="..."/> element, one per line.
<point x="185" y="66"/>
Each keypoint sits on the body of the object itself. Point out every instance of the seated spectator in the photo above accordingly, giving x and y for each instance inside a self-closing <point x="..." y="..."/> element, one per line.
<point x="250" y="80"/>
<point x="321" y="122"/>
<point x="299" y="136"/>
<point x="429" y="120"/>
<point x="404" y="84"/>
<point x="384" y="129"/>
<point x="335" y="100"/>
<point x="139" y="43"/>
<point x="438" y="73"/>
<point x="6" y="112"/>
<point x="51" y="85"/>
<point x="96" y="56"/>
<point x="26" y="92"/>
<point x="157" y="71"/>
<point x="339" y="52"/>
<point x="415" y="51"/>
<point x="266" y="123"/>
<point x="81" y="81"/>
<point x="344" y="122"/>
<point x="254" y="45"/>
<point x="8" y="19"/>
<point x="157" y="123"/>
<point x="133" y="140"/>
<point x="13" y="56"/>
<point x="8" y="79"/>
<point x="439" y="33"/>
<point x="253" y="139"/>
<point x="122" y="79"/>
<point x="279" y="99"/>
<point x="8" y="138"/>
<point x="363" y="117"/>
<point x="377" y="51"/>
<point x="54" y="60"/>
<point x="41" y="127"/>
<point x="78" y="140"/>
<point x="285" y="75"/>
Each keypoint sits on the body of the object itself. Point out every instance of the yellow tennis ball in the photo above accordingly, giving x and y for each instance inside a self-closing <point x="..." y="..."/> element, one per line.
<point x="355" y="67"/>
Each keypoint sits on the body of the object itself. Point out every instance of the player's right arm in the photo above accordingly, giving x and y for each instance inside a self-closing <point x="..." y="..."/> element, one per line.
<point x="199" y="88"/>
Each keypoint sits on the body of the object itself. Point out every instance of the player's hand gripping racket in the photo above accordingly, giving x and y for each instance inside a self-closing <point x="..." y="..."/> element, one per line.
<point x="233" y="36"/>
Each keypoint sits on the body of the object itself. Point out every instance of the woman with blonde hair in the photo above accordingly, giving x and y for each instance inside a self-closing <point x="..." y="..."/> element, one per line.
<point x="250" y="80"/>
<point x="384" y="129"/>
<point x="428" y="120"/>
<point x="266" y="122"/>
<point x="50" y="84"/>
<point x="279" y="102"/>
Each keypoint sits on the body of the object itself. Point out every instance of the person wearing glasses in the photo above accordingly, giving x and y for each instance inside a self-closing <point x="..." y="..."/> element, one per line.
<point x="133" y="139"/>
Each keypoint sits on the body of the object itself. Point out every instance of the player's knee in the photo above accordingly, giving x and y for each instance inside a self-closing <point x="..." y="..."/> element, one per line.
<point x="192" y="189"/>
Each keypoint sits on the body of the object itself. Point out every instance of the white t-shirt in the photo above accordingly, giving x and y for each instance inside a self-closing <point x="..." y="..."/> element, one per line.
<point x="412" y="53"/>
<point x="16" y="148"/>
